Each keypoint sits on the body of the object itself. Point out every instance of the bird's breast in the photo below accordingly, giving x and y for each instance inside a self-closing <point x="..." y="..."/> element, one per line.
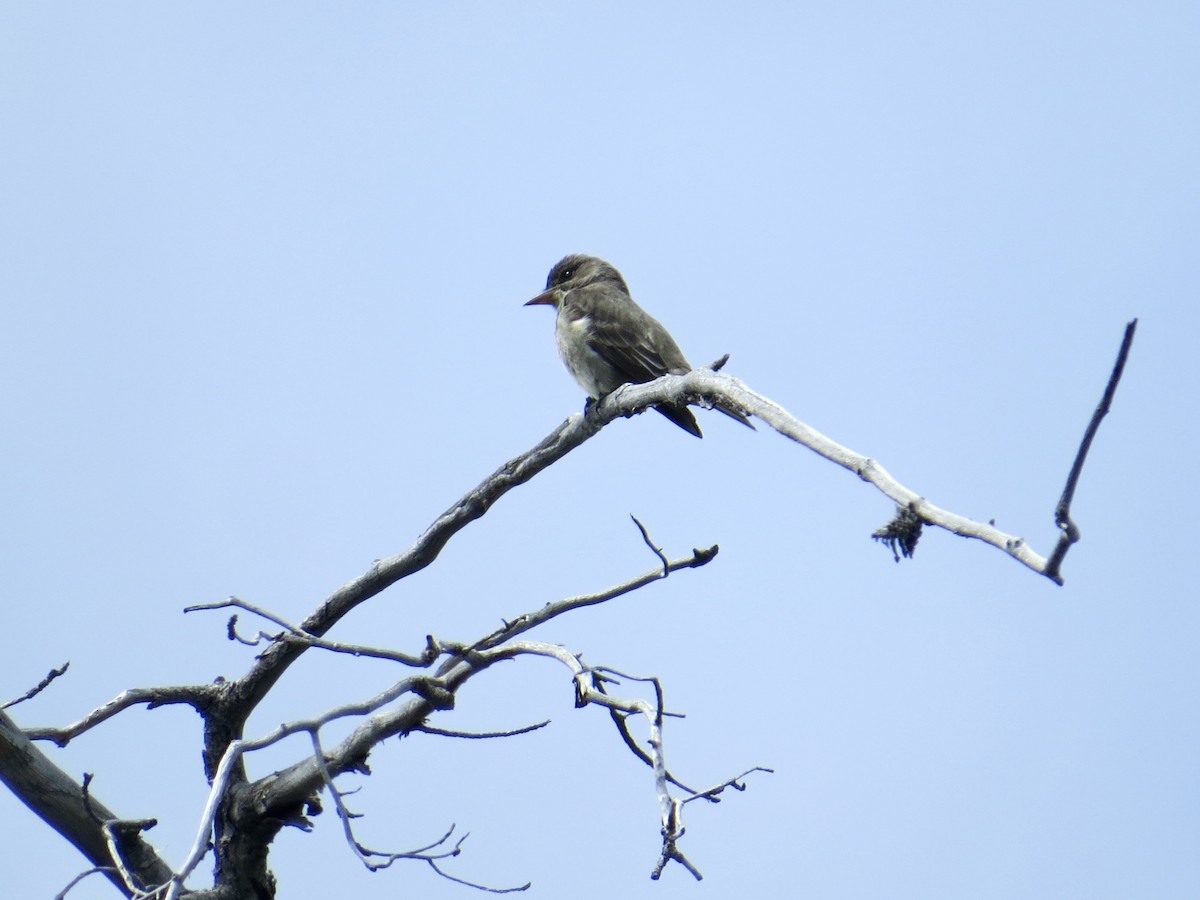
<point x="590" y="369"/>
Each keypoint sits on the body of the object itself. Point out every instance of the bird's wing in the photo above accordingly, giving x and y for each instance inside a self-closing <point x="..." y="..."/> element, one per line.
<point x="641" y="349"/>
<point x="634" y="344"/>
<point x="636" y="347"/>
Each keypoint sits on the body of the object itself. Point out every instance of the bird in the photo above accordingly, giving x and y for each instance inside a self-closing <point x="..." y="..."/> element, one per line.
<point x="606" y="340"/>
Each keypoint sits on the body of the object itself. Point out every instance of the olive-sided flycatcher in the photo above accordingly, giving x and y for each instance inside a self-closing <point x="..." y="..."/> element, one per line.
<point x="606" y="340"/>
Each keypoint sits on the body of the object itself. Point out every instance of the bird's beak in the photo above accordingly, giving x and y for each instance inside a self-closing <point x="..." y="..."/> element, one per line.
<point x="546" y="298"/>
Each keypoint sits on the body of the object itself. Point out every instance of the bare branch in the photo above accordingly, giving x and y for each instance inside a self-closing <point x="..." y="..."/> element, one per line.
<point x="427" y="855"/>
<point x="479" y="887"/>
<point x="201" y="845"/>
<point x="87" y="799"/>
<point x="231" y="632"/>
<point x="718" y="364"/>
<point x="713" y="793"/>
<point x="474" y="504"/>
<point x="670" y="852"/>
<point x="375" y="860"/>
<point x="704" y="386"/>
<point x="291" y="787"/>
<point x="1069" y="533"/>
<point x="481" y="735"/>
<point x="38" y="688"/>
<point x="647" y="679"/>
<point x="196" y="696"/>
<point x="406" y="705"/>
<point x="277" y="796"/>
<point x="671" y="808"/>
<point x="293" y="633"/>
<point x="657" y="551"/>
<point x="70" y="810"/>
<point x="286" y="789"/>
<point x="275" y="660"/>
<point x="716" y="389"/>
<point x="528" y="621"/>
<point x="94" y="870"/>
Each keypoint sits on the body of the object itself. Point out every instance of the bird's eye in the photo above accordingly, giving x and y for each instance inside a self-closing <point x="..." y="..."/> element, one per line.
<point x="566" y="274"/>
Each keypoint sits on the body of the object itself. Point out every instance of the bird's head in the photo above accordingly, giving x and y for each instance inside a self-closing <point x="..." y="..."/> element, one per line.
<point x="572" y="272"/>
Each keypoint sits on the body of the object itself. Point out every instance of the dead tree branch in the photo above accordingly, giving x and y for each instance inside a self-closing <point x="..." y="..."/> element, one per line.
<point x="1068" y="532"/>
<point x="262" y="807"/>
<point x="481" y="735"/>
<point x="196" y="696"/>
<point x="39" y="687"/>
<point x="711" y="388"/>
<point x="704" y="386"/>
<point x="283" y="797"/>
<point x="374" y="860"/>
<point x="94" y="870"/>
<point x="67" y="807"/>
<point x="293" y="633"/>
<point x="527" y="621"/>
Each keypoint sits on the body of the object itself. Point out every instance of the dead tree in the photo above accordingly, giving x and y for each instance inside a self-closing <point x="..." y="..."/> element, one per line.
<point x="243" y="816"/>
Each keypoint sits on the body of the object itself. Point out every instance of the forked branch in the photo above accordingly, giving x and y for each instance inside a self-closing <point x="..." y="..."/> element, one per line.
<point x="711" y="388"/>
<point x="405" y="707"/>
<point x="706" y="386"/>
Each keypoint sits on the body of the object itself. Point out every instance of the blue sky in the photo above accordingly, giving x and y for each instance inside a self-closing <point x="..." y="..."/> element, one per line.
<point x="262" y="323"/>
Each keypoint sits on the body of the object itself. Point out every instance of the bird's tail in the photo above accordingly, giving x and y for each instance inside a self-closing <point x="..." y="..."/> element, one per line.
<point x="681" y="416"/>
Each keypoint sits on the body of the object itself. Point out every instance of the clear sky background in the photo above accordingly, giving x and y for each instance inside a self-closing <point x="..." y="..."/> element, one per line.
<point x="263" y="267"/>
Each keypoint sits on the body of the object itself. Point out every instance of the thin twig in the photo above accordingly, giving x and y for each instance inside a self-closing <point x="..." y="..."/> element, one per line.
<point x="94" y="870"/>
<point x="86" y="794"/>
<point x="656" y="550"/>
<point x="1069" y="533"/>
<point x="420" y="853"/>
<point x="374" y="860"/>
<point x="479" y="887"/>
<point x="38" y="688"/>
<point x="294" y="633"/>
<point x="527" y="621"/>
<point x="713" y="793"/>
<point x="671" y="808"/>
<point x="481" y="735"/>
